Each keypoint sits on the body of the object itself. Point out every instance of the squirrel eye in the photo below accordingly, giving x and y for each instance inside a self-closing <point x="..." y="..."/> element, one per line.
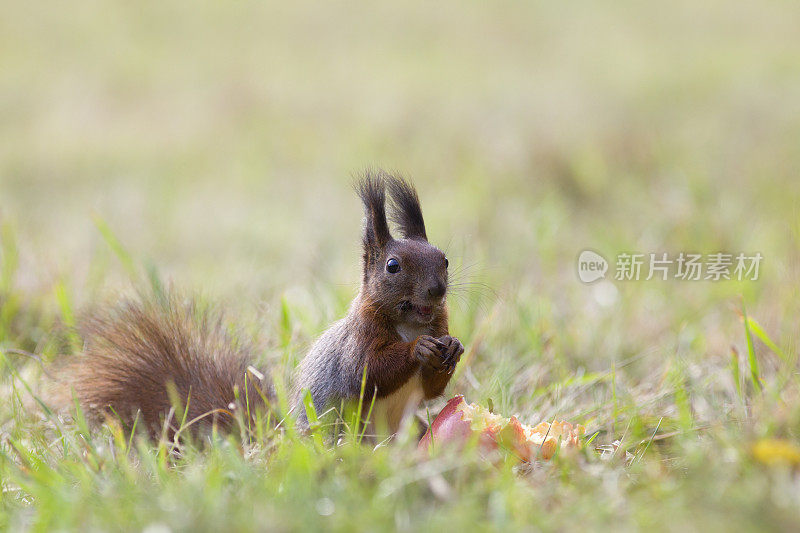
<point x="393" y="266"/>
<point x="446" y="263"/>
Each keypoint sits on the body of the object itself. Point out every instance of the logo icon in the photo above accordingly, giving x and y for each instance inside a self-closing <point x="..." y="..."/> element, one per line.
<point x="591" y="266"/>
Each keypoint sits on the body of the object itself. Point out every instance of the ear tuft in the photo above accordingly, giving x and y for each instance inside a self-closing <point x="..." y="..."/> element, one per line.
<point x="371" y="187"/>
<point x="405" y="209"/>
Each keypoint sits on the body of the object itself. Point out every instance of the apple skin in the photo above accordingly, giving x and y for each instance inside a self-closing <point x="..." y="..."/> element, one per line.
<point x="448" y="426"/>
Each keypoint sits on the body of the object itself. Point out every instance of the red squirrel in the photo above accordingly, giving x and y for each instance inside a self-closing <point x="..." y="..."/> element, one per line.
<point x="397" y="324"/>
<point x="143" y="355"/>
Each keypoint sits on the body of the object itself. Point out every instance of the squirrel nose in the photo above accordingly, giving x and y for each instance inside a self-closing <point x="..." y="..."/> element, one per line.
<point x="436" y="291"/>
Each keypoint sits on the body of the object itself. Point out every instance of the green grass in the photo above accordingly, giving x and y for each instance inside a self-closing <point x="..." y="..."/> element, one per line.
<point x="211" y="147"/>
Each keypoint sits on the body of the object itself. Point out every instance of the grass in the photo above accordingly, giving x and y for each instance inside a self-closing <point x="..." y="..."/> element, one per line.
<point x="211" y="147"/>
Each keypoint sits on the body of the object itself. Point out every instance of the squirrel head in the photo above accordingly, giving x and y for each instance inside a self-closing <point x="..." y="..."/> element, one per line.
<point x="406" y="278"/>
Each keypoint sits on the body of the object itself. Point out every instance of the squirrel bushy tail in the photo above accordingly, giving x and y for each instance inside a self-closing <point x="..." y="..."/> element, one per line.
<point x="143" y="355"/>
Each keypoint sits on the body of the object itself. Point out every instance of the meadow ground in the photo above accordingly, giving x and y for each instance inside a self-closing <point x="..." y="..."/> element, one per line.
<point x="211" y="146"/>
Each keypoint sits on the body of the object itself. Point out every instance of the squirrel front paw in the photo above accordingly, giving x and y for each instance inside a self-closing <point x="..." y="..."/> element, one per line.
<point x="452" y="351"/>
<point x="440" y="355"/>
<point x="428" y="351"/>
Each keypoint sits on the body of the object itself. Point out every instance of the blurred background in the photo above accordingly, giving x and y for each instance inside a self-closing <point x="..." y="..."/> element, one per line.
<point x="218" y="141"/>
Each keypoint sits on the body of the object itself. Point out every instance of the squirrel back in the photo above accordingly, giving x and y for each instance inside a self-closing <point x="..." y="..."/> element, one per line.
<point x="142" y="356"/>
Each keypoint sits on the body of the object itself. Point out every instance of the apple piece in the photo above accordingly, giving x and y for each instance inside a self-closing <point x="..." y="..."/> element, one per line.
<point x="459" y="421"/>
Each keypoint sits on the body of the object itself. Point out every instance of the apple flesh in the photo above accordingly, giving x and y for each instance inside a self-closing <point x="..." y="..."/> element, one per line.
<point x="459" y="422"/>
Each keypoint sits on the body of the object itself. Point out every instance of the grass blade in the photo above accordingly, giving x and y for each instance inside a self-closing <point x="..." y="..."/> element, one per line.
<point x="68" y="316"/>
<point x="116" y="246"/>
<point x="759" y="332"/>
<point x="755" y="375"/>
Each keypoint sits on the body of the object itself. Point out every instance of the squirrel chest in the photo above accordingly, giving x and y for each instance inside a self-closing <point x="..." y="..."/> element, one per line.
<point x="404" y="401"/>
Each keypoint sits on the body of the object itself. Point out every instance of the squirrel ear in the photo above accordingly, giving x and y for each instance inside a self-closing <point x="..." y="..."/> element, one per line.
<point x="406" y="211"/>
<point x="371" y="188"/>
